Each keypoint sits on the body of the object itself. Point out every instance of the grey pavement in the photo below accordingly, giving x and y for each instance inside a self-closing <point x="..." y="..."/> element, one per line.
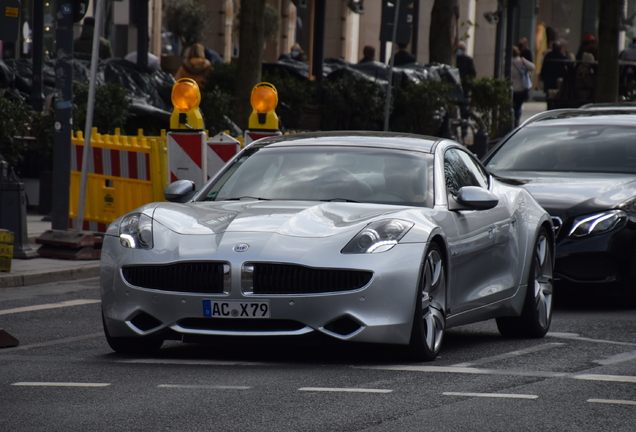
<point x="42" y="270"/>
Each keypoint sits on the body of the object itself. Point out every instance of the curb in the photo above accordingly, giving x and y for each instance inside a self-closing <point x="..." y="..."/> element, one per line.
<point x="22" y="279"/>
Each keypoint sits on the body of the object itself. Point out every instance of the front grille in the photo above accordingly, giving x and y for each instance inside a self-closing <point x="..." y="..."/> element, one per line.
<point x="294" y="279"/>
<point x="195" y="277"/>
<point x="241" y="325"/>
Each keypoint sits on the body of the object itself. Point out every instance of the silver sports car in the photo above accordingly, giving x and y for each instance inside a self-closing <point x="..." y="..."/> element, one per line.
<point x="361" y="236"/>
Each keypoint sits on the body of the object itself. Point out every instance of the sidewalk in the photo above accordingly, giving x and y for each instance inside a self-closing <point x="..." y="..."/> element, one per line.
<point x="40" y="270"/>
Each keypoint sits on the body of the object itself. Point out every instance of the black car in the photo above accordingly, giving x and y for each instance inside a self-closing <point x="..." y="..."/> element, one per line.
<point x="580" y="165"/>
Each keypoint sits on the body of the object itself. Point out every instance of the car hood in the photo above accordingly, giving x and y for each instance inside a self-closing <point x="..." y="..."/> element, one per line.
<point x="574" y="193"/>
<point x="292" y="218"/>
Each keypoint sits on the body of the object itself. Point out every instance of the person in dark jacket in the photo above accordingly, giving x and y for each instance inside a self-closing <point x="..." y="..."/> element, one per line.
<point x="553" y="67"/>
<point x="84" y="44"/>
<point x="402" y="56"/>
<point x="465" y="64"/>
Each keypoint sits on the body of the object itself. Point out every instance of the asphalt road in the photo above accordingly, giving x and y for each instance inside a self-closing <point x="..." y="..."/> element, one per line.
<point x="64" y="377"/>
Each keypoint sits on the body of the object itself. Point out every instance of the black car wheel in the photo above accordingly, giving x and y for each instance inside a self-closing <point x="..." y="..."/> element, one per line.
<point x="536" y="316"/>
<point x="429" y="320"/>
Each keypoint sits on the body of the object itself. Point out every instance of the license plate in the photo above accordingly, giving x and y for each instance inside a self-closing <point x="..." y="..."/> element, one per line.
<point x="235" y="309"/>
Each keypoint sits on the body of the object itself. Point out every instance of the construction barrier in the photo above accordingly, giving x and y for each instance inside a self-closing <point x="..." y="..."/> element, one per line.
<point x="124" y="172"/>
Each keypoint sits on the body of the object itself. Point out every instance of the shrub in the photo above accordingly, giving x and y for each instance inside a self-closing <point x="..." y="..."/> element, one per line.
<point x="112" y="107"/>
<point x="490" y="100"/>
<point x="186" y="19"/>
<point x="351" y="103"/>
<point x="294" y="96"/>
<point x="15" y="121"/>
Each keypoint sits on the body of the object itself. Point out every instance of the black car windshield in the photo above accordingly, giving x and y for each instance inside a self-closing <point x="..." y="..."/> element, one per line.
<point x="576" y="148"/>
<point x="327" y="173"/>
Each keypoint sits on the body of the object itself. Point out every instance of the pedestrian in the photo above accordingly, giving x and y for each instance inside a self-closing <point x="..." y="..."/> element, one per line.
<point x="84" y="44"/>
<point x="525" y="51"/>
<point x="629" y="54"/>
<point x="521" y="81"/>
<point x="465" y="64"/>
<point x="402" y="56"/>
<point x="553" y="67"/>
<point x="296" y="53"/>
<point x="195" y="65"/>
<point x="368" y="54"/>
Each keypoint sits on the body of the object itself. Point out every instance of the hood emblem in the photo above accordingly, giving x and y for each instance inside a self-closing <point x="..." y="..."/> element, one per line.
<point x="241" y="247"/>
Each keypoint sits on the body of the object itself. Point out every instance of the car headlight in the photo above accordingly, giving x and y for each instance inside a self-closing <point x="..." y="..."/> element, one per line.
<point x="597" y="223"/>
<point x="135" y="231"/>
<point x="378" y="237"/>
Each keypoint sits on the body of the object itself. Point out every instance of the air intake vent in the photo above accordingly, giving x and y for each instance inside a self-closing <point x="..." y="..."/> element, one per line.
<point x="196" y="277"/>
<point x="294" y="279"/>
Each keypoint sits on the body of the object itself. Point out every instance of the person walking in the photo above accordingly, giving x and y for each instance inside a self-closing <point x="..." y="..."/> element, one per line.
<point x="553" y="68"/>
<point x="84" y="44"/>
<point x="195" y="66"/>
<point x="525" y="51"/>
<point x="521" y="82"/>
<point x="402" y="56"/>
<point x="368" y="54"/>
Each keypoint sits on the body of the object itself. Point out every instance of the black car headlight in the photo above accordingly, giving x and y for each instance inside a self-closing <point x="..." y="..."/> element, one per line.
<point x="135" y="231"/>
<point x="378" y="237"/>
<point x="597" y="223"/>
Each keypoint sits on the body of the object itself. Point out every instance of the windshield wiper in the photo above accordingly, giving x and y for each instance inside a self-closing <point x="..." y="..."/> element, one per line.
<point x="245" y="198"/>
<point x="339" y="200"/>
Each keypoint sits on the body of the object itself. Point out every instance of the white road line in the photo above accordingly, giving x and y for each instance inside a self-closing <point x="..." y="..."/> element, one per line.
<point x="613" y="378"/>
<point x="48" y="306"/>
<point x="467" y="370"/>
<point x="345" y="390"/>
<point x="192" y="362"/>
<point x="511" y="354"/>
<point x="575" y="336"/>
<point x="612" y="401"/>
<point x="60" y="384"/>
<point x="492" y="395"/>
<point x="186" y="386"/>
<point x="618" y="358"/>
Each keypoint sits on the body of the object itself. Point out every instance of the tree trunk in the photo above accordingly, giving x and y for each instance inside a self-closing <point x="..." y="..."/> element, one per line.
<point x="443" y="32"/>
<point x="248" y="72"/>
<point x="609" y="15"/>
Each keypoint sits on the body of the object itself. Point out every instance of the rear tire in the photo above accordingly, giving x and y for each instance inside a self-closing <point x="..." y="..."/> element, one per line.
<point x="534" y="321"/>
<point x="132" y="345"/>
<point x="429" y="319"/>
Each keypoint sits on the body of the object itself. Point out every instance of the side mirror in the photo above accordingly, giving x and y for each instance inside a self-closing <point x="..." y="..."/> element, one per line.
<point x="179" y="191"/>
<point x="473" y="198"/>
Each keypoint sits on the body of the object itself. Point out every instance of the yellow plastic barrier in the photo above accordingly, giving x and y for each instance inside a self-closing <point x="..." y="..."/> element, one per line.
<point x="124" y="172"/>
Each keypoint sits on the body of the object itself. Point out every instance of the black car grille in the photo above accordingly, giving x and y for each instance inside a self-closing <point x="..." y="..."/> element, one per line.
<point x="204" y="277"/>
<point x="294" y="279"/>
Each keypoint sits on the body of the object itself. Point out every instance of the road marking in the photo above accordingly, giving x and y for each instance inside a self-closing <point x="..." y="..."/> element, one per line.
<point x="492" y="395"/>
<point x="53" y="342"/>
<point x="511" y="354"/>
<point x="618" y="358"/>
<point x="613" y="378"/>
<point x="48" y="306"/>
<point x="345" y="390"/>
<point x="203" y="387"/>
<point x="60" y="384"/>
<point x="467" y="370"/>
<point x="612" y="401"/>
<point x="192" y="362"/>
<point x="575" y="336"/>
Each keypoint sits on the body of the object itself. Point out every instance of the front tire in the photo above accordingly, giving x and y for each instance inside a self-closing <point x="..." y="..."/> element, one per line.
<point x="536" y="316"/>
<point x="429" y="319"/>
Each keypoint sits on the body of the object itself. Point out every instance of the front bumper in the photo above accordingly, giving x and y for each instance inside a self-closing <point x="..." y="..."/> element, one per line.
<point x="381" y="311"/>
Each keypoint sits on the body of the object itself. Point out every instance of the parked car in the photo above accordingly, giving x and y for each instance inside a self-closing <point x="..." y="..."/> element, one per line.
<point x="580" y="165"/>
<point x="360" y="236"/>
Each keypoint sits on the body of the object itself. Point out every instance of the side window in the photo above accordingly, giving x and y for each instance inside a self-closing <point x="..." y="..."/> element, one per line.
<point x="461" y="170"/>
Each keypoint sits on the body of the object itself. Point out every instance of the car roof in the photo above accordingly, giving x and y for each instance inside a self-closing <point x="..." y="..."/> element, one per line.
<point x="392" y="140"/>
<point x="599" y="115"/>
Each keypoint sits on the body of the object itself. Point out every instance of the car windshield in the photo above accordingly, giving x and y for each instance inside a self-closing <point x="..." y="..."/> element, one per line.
<point x="327" y="173"/>
<point x="577" y="148"/>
